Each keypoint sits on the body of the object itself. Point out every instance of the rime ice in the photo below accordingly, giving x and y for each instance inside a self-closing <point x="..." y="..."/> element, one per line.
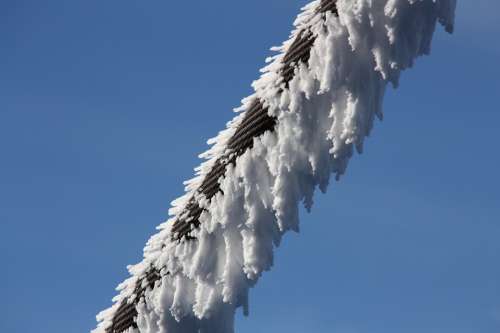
<point x="323" y="117"/>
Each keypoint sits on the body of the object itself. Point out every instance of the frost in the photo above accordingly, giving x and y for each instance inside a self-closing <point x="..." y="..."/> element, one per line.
<point x="323" y="116"/>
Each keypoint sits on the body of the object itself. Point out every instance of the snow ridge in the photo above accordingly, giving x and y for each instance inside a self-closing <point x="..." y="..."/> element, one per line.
<point x="323" y="116"/>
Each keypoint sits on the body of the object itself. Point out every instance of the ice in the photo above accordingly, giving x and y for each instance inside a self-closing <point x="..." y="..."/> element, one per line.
<point x="324" y="115"/>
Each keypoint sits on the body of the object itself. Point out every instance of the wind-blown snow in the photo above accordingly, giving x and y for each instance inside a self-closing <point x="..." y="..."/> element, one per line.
<point x="324" y="115"/>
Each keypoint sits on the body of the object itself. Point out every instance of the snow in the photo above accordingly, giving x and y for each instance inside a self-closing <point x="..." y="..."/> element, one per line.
<point x="324" y="115"/>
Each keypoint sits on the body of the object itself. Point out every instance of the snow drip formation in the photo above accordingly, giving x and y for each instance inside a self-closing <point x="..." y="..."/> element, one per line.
<point x="322" y="116"/>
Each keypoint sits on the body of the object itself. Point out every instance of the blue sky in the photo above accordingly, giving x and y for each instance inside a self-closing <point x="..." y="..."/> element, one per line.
<point x="104" y="106"/>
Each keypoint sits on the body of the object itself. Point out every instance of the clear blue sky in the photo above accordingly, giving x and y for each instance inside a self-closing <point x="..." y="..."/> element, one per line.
<point x="104" y="106"/>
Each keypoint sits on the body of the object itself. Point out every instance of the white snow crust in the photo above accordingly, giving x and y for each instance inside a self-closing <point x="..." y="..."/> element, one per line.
<point x="323" y="117"/>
